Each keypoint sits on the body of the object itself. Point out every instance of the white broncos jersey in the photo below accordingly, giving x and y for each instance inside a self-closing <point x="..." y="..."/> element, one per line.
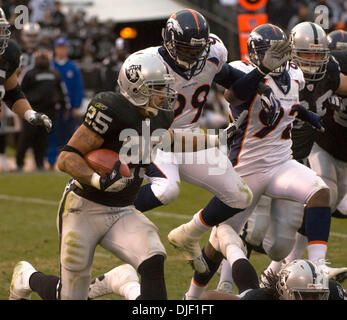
<point x="192" y="94"/>
<point x="261" y="147"/>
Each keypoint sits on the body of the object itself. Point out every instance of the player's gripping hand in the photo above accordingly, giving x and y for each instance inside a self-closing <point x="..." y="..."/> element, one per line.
<point x="111" y="182"/>
<point x="38" y="119"/>
<point x="272" y="107"/>
<point x="233" y="130"/>
<point x="275" y="56"/>
<point x="312" y="118"/>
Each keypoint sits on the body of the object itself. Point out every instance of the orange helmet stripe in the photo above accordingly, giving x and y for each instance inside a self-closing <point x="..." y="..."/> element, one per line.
<point x="195" y="18"/>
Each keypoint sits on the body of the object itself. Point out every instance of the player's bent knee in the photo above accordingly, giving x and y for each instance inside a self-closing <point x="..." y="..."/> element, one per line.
<point x="244" y="198"/>
<point x="228" y="237"/>
<point x="165" y="190"/>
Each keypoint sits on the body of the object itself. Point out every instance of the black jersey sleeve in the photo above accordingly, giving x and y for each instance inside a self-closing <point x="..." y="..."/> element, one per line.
<point x="12" y="57"/>
<point x="341" y="57"/>
<point x="333" y="73"/>
<point x="100" y="116"/>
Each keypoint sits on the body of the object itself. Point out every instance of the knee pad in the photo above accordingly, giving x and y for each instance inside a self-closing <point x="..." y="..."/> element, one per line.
<point x="165" y="190"/>
<point x="241" y="199"/>
<point x="74" y="256"/>
<point x="226" y="237"/>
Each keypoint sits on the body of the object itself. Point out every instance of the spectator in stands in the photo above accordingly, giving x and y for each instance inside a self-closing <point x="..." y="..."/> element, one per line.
<point x="42" y="86"/>
<point x="67" y="120"/>
<point x="58" y="18"/>
<point x="113" y="64"/>
<point x="300" y="16"/>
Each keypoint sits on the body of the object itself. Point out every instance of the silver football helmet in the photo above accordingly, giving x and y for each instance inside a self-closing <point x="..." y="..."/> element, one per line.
<point x="143" y="75"/>
<point x="5" y="32"/>
<point x="310" y="50"/>
<point x="30" y="34"/>
<point x="301" y="279"/>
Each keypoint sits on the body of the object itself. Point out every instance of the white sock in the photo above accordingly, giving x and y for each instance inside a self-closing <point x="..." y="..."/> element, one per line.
<point x="299" y="247"/>
<point x="195" y="291"/>
<point x="234" y="253"/>
<point x="197" y="226"/>
<point x="131" y="290"/>
<point x="317" y="251"/>
<point x="226" y="272"/>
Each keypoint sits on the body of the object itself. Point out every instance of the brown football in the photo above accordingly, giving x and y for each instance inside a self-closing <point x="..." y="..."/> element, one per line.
<point x="103" y="160"/>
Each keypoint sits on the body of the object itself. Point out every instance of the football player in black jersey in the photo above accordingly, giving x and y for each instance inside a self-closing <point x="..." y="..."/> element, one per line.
<point x="298" y="280"/>
<point x="10" y="90"/>
<point x="99" y="209"/>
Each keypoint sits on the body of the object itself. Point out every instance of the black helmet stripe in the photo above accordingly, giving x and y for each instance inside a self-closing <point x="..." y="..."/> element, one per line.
<point x="315" y="33"/>
<point x="313" y="269"/>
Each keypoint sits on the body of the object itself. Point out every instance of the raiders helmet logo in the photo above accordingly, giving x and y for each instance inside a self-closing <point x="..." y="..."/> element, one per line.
<point x="132" y="73"/>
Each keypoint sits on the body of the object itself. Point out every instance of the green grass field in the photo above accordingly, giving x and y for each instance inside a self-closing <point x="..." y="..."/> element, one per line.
<point x="28" y="207"/>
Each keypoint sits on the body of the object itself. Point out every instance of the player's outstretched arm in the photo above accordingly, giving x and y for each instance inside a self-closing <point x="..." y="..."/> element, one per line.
<point x="15" y="99"/>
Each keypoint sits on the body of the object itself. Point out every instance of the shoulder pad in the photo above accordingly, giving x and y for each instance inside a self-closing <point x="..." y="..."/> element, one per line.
<point x="218" y="51"/>
<point x="297" y="74"/>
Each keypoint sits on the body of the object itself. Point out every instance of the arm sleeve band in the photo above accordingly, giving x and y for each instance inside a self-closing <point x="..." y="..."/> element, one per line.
<point x="68" y="148"/>
<point x="246" y="87"/>
<point x="13" y="95"/>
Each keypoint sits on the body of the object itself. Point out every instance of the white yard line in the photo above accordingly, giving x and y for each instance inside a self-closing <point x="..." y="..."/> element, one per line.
<point x="161" y="214"/>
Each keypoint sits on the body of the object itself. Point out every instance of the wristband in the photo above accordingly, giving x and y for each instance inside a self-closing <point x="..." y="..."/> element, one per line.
<point x="95" y="180"/>
<point x="29" y="115"/>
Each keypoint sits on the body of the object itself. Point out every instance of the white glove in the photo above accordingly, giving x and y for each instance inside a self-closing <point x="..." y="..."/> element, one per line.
<point x="275" y="56"/>
<point x="38" y="119"/>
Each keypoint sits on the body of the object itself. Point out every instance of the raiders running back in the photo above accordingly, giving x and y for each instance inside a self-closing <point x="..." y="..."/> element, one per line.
<point x="108" y="114"/>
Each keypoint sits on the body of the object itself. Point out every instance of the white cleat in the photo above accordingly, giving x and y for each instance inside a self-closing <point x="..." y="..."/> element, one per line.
<point x="340" y="274"/>
<point x="20" y="288"/>
<point x="113" y="281"/>
<point x="225" y="286"/>
<point x="190" y="247"/>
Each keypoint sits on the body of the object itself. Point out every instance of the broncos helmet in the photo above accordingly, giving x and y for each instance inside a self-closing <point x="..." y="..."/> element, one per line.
<point x="337" y="40"/>
<point x="186" y="39"/>
<point x="5" y="32"/>
<point x="260" y="40"/>
<point x="139" y="78"/>
<point x="302" y="280"/>
<point x="310" y="50"/>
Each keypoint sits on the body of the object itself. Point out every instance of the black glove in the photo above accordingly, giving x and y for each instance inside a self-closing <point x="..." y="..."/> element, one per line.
<point x="233" y="130"/>
<point x="309" y="116"/>
<point x="272" y="107"/>
<point x="40" y="119"/>
<point x="113" y="181"/>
